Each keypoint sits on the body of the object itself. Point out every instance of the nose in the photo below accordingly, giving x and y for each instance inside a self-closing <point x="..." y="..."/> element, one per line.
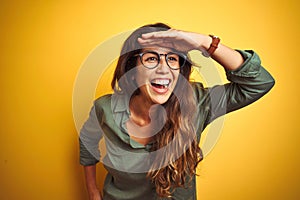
<point x="162" y="65"/>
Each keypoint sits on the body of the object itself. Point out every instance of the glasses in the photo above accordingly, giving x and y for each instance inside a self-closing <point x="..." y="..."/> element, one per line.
<point x="151" y="59"/>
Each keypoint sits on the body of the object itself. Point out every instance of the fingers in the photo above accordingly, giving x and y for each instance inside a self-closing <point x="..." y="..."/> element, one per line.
<point x="172" y="38"/>
<point x="143" y="41"/>
<point x="161" y="38"/>
<point x="156" y="42"/>
<point x="171" y="33"/>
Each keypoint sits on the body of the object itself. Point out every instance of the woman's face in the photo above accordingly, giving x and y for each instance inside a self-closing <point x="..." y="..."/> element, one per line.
<point x="157" y="84"/>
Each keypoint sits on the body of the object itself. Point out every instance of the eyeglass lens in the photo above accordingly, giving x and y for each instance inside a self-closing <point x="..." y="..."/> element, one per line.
<point x="152" y="59"/>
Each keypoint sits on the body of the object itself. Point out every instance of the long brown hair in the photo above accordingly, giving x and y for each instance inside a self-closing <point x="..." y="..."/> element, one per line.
<point x="179" y="128"/>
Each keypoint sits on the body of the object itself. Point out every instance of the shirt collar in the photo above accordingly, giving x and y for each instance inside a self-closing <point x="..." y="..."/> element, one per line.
<point x="120" y="103"/>
<point x="121" y="113"/>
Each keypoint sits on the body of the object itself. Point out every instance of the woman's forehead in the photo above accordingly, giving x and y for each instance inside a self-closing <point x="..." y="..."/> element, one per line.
<point x="157" y="49"/>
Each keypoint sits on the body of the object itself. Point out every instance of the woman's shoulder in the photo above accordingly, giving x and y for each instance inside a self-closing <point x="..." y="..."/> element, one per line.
<point x="201" y="92"/>
<point x="198" y="87"/>
<point x="196" y="84"/>
<point x="103" y="100"/>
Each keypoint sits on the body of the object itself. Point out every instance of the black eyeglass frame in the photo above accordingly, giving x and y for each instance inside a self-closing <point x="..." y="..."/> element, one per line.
<point x="181" y="55"/>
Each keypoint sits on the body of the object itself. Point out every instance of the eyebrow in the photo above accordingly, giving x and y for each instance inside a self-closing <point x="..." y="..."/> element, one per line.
<point x="151" y="50"/>
<point x="165" y="52"/>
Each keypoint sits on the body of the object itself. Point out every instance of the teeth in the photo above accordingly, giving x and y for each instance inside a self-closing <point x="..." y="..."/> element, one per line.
<point x="161" y="81"/>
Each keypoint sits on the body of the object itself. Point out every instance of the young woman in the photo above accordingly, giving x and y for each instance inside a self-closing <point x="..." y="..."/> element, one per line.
<point x="153" y="122"/>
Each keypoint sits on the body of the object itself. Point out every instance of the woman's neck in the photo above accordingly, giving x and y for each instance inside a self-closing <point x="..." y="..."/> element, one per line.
<point x="139" y="125"/>
<point x="139" y="108"/>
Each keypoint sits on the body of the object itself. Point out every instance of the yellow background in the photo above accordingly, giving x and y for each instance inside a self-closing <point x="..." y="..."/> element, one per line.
<point x="43" y="44"/>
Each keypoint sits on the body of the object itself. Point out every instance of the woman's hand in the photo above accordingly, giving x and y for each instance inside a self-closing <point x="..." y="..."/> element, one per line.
<point x="95" y="194"/>
<point x="186" y="41"/>
<point x="176" y="39"/>
<point x="90" y="177"/>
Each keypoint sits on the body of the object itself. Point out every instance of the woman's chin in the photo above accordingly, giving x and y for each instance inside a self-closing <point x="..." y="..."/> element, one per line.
<point x="160" y="99"/>
<point x="157" y="96"/>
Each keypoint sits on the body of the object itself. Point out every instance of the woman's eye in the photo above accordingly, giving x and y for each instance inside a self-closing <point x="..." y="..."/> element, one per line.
<point x="151" y="59"/>
<point x="173" y="59"/>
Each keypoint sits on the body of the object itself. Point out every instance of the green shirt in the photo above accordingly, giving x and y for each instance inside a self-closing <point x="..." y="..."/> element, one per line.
<point x="127" y="160"/>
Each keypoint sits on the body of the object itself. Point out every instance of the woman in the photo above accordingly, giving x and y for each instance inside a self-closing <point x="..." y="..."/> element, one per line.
<point x="153" y="122"/>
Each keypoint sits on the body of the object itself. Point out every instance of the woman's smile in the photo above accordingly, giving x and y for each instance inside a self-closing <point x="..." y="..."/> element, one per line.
<point x="160" y="85"/>
<point x="156" y="84"/>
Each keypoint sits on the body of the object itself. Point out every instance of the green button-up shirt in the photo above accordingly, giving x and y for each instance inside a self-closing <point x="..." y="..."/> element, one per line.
<point x="127" y="161"/>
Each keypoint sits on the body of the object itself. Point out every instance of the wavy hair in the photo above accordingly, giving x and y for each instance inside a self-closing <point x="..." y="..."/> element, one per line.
<point x="179" y="129"/>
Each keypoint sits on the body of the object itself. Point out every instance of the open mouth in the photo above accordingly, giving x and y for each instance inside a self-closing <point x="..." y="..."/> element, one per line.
<point x="161" y="83"/>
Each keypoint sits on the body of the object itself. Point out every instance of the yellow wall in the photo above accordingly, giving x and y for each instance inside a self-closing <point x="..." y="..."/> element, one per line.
<point x="44" y="43"/>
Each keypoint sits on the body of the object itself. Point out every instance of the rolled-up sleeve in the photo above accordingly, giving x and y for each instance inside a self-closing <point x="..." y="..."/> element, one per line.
<point x="90" y="135"/>
<point x="247" y="84"/>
